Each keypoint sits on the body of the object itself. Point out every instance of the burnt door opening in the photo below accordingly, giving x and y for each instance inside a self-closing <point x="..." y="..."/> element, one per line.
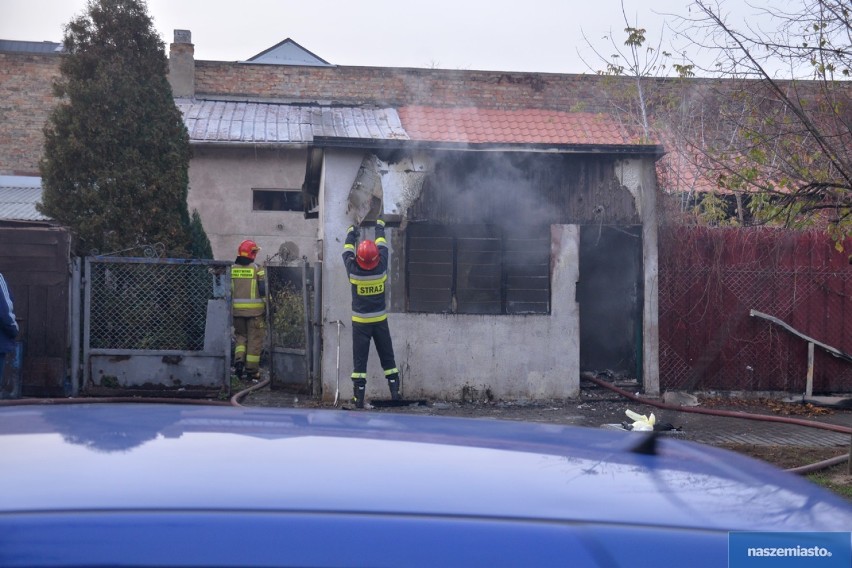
<point x="610" y="296"/>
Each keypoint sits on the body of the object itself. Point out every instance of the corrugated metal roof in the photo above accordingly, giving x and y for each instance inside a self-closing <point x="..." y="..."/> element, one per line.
<point x="529" y="126"/>
<point x="19" y="203"/>
<point x="274" y="123"/>
<point x="16" y="46"/>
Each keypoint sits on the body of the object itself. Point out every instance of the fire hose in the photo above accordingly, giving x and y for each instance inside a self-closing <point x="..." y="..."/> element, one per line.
<point x="737" y="414"/>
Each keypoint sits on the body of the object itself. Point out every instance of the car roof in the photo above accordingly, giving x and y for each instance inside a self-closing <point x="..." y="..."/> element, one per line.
<point x="102" y="457"/>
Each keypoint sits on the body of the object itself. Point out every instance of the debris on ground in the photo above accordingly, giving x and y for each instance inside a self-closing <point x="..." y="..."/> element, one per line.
<point x="767" y="405"/>
<point x="679" y="398"/>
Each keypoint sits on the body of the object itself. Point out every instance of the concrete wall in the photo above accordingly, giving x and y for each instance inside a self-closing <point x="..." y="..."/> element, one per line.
<point x="500" y="356"/>
<point x="443" y="356"/>
<point x="220" y="188"/>
<point x="639" y="177"/>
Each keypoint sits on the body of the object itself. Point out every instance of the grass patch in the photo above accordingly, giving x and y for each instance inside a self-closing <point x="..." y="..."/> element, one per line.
<point x="835" y="479"/>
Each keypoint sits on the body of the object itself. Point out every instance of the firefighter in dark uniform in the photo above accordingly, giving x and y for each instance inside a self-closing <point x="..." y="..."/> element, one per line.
<point x="248" y="289"/>
<point x="367" y="268"/>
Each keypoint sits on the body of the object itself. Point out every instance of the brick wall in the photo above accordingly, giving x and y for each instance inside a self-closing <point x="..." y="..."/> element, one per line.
<point x="401" y="86"/>
<point x="26" y="98"/>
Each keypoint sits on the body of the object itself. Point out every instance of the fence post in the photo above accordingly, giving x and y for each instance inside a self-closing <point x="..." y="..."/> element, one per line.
<point x="74" y="320"/>
<point x="306" y="304"/>
<point x="317" y="332"/>
<point x="809" y="386"/>
<point x="269" y="344"/>
<point x="86" y="282"/>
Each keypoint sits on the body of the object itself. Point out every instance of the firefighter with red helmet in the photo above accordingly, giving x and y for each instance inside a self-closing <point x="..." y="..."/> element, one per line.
<point x="367" y="266"/>
<point x="248" y="292"/>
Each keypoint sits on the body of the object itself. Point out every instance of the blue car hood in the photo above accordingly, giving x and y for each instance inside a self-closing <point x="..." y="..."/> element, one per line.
<point x="175" y="457"/>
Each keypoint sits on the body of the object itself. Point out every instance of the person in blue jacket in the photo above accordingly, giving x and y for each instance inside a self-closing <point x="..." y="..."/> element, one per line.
<point x="8" y="325"/>
<point x="367" y="267"/>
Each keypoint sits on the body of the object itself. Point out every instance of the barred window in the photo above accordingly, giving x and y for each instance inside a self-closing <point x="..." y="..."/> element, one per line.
<point x="477" y="269"/>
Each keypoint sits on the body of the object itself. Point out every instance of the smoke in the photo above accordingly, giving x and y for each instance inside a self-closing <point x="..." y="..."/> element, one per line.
<point x="506" y="190"/>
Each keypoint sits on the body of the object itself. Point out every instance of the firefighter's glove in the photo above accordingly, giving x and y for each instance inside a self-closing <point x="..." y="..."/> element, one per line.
<point x="354" y="230"/>
<point x="641" y="423"/>
<point x="380" y="221"/>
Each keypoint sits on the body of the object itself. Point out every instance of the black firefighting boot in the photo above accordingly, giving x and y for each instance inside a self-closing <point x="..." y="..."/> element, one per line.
<point x="359" y="386"/>
<point x="393" y="385"/>
<point x="239" y="369"/>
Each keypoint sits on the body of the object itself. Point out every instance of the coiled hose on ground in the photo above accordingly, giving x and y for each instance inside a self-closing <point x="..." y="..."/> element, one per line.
<point x="805" y="469"/>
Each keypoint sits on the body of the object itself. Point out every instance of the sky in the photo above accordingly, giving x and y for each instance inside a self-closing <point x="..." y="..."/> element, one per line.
<point x="492" y="35"/>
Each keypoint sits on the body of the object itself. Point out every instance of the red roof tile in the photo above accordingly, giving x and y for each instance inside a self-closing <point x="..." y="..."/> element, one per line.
<point x="529" y="126"/>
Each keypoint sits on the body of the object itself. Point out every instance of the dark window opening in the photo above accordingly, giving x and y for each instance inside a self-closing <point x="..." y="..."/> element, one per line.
<point x="477" y="269"/>
<point x="277" y="200"/>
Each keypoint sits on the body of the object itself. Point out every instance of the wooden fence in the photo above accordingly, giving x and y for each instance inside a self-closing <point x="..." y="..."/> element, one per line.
<point x="34" y="262"/>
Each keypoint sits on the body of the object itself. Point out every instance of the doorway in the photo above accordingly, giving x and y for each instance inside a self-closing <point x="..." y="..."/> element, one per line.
<point x="610" y="295"/>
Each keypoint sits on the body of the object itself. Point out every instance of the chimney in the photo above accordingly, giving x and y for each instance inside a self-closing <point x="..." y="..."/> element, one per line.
<point x="182" y="65"/>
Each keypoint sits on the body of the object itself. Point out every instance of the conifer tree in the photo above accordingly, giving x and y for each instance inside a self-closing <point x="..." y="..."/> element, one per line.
<point x="200" y="246"/>
<point x="116" y="155"/>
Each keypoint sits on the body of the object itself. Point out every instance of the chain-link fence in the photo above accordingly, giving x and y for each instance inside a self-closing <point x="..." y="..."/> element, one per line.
<point x="149" y="304"/>
<point x="156" y="320"/>
<point x="710" y="280"/>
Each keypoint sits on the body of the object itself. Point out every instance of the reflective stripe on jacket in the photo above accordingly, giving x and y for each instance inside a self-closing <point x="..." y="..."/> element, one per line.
<point x="368" y="286"/>
<point x="246" y="290"/>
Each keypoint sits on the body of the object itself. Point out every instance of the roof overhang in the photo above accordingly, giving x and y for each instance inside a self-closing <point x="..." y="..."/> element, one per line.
<point x="235" y="145"/>
<point x="655" y="151"/>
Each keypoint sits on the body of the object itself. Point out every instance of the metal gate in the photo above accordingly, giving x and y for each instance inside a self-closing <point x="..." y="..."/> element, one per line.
<point x="294" y="337"/>
<point x="156" y="326"/>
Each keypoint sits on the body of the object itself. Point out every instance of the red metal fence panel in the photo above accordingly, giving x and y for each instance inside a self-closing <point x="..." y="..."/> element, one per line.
<point x="710" y="279"/>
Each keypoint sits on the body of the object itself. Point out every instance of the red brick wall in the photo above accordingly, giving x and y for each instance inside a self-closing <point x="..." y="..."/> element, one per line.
<point x="26" y="98"/>
<point x="400" y="86"/>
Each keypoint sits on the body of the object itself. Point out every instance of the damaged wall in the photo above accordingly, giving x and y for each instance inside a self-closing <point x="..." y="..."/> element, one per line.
<point x="390" y="186"/>
<point x="505" y="356"/>
<point x="640" y="178"/>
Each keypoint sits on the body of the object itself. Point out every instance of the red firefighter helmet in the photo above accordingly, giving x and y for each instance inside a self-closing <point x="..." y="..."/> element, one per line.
<point x="248" y="248"/>
<point x="367" y="255"/>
